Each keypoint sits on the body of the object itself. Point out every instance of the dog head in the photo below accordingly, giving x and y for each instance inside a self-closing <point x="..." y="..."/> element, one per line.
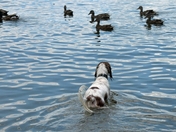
<point x="103" y="69"/>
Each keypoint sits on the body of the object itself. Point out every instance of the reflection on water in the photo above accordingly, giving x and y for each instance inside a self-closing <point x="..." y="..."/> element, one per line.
<point x="45" y="58"/>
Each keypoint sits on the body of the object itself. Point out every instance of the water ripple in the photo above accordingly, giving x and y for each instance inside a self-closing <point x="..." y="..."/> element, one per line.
<point x="45" y="58"/>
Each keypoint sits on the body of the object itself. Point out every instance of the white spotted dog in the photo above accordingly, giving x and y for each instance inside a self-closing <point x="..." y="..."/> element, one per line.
<point x="98" y="94"/>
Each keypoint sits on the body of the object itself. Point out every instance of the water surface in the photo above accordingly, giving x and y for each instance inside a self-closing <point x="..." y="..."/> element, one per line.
<point x="45" y="58"/>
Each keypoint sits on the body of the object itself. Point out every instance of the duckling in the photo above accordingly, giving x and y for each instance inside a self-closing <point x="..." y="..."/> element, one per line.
<point x="4" y="12"/>
<point x="144" y="13"/>
<point x="103" y="16"/>
<point x="12" y="17"/>
<point x="156" y="22"/>
<point x="103" y="27"/>
<point x="67" y="12"/>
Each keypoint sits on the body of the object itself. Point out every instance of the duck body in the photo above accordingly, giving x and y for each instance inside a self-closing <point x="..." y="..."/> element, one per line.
<point x="103" y="16"/>
<point x="144" y="13"/>
<point x="67" y="12"/>
<point x="156" y="22"/>
<point x="12" y="17"/>
<point x="103" y="27"/>
<point x="150" y="21"/>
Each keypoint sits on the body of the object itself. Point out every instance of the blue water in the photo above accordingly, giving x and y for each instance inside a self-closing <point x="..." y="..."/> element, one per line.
<point x="45" y="58"/>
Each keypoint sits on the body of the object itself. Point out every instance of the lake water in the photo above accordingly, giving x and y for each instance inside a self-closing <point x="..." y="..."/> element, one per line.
<point x="45" y="58"/>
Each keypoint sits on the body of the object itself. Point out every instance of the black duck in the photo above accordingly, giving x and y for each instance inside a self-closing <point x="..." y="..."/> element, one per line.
<point x="103" y="27"/>
<point x="67" y="12"/>
<point x="144" y="13"/>
<point x="149" y="21"/>
<point x="12" y="17"/>
<point x="103" y="16"/>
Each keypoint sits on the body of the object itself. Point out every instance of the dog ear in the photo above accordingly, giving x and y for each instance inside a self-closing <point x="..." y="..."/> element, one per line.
<point x="96" y="70"/>
<point x="95" y="73"/>
<point x="108" y="67"/>
<point x="99" y="101"/>
<point x="110" y="73"/>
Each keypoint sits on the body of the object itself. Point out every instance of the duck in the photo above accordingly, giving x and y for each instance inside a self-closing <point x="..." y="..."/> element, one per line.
<point x="144" y="13"/>
<point x="4" y="16"/>
<point x="12" y="17"/>
<point x="1" y="17"/>
<point x="4" y="12"/>
<point x="157" y="22"/>
<point x="103" y="27"/>
<point x="103" y="16"/>
<point x="67" y="12"/>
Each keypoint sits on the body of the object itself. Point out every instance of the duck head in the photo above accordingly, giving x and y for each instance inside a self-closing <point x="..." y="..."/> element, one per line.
<point x="140" y="7"/>
<point x="91" y="12"/>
